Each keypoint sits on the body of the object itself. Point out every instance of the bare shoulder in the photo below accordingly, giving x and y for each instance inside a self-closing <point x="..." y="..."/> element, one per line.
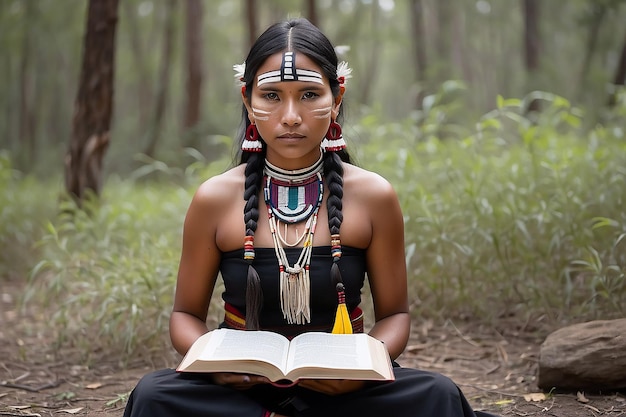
<point x="221" y="189"/>
<point x="361" y="183"/>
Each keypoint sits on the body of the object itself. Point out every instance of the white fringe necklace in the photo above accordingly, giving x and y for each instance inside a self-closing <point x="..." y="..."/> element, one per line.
<point x="291" y="197"/>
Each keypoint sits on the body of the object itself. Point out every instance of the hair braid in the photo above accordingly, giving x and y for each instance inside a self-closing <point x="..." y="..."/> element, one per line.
<point x="333" y="173"/>
<point x="253" y="182"/>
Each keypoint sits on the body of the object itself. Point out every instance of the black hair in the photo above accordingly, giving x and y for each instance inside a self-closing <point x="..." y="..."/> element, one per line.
<point x="297" y="35"/>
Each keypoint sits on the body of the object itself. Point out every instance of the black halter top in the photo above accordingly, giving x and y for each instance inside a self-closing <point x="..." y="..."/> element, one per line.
<point x="234" y="270"/>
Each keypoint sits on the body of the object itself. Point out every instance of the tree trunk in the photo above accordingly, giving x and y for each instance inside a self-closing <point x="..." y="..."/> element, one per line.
<point x="193" y="45"/>
<point x="139" y="62"/>
<point x="419" y="43"/>
<point x="460" y="50"/>
<point x="94" y="102"/>
<point x="598" y="12"/>
<point x="163" y="81"/>
<point x="531" y="43"/>
<point x="27" y="86"/>
<point x="371" y="69"/>
<point x="312" y="12"/>
<point x="443" y="41"/>
<point x="251" y="17"/>
<point x="620" y="75"/>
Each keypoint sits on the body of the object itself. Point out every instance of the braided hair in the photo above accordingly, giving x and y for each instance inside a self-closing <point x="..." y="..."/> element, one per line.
<point x="298" y="35"/>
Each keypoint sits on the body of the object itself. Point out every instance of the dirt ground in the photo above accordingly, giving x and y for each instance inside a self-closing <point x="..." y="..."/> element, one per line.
<point x="495" y="368"/>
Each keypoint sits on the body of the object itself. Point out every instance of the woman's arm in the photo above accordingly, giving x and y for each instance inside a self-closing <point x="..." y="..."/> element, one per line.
<point x="386" y="268"/>
<point x="198" y="268"/>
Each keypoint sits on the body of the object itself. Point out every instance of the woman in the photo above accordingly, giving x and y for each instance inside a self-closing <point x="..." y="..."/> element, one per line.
<point x="256" y="225"/>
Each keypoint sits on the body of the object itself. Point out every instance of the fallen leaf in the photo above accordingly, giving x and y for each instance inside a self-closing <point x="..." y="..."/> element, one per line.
<point x="94" y="385"/>
<point x="535" y="396"/>
<point x="71" y="410"/>
<point x="19" y="407"/>
<point x="580" y="396"/>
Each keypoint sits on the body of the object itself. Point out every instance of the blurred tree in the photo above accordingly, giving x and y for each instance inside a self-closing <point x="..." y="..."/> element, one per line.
<point x="419" y="46"/>
<point x="311" y="13"/>
<point x="593" y="20"/>
<point x="251" y="14"/>
<point x="445" y="13"/>
<point x="370" y="69"/>
<point x="532" y="43"/>
<point x="94" y="102"/>
<point x="164" y="79"/>
<point x="193" y="47"/>
<point x="620" y="75"/>
<point x="140" y="62"/>
<point x="27" y="86"/>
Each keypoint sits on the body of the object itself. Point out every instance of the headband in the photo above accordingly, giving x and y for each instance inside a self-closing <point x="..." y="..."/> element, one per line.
<point x="287" y="72"/>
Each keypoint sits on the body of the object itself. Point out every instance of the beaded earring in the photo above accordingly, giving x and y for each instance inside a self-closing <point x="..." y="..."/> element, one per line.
<point x="251" y="142"/>
<point x="333" y="141"/>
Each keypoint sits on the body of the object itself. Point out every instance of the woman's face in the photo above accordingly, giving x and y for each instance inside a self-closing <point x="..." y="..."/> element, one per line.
<point x="292" y="116"/>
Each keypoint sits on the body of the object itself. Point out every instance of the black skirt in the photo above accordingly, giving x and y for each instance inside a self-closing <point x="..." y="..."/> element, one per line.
<point x="414" y="393"/>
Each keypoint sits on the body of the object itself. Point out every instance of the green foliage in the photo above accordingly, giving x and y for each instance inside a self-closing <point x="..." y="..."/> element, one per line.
<point x="24" y="206"/>
<point x="108" y="267"/>
<point x="521" y="215"/>
<point x="107" y="270"/>
<point x="498" y="220"/>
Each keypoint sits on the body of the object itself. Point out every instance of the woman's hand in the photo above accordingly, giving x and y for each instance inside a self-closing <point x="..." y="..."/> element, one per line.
<point x="238" y="381"/>
<point x="331" y="386"/>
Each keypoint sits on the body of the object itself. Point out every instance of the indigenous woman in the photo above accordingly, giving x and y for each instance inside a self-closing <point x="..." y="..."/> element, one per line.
<point x="293" y="229"/>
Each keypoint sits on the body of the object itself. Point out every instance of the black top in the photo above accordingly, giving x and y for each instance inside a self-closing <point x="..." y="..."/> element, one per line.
<point x="323" y="293"/>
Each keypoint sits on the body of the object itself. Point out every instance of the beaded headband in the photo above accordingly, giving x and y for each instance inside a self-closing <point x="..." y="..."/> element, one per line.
<point x="289" y="72"/>
<point x="286" y="72"/>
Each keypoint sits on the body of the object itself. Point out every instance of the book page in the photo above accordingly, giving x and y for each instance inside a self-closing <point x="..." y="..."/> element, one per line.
<point x="340" y="351"/>
<point x="228" y="344"/>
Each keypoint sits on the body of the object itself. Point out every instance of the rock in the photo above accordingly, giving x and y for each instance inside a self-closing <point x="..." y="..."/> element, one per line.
<point x="585" y="356"/>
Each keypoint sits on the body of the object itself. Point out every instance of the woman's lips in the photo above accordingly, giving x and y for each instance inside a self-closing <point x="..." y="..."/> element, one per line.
<point x="291" y="136"/>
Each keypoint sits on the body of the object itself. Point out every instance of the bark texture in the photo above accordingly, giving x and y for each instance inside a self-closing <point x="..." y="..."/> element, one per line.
<point x="94" y="102"/>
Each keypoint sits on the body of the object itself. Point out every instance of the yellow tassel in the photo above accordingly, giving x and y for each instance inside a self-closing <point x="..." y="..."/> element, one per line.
<point x="343" y="325"/>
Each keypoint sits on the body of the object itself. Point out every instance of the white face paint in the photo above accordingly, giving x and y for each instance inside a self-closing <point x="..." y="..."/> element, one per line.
<point x="322" y="113"/>
<point x="260" y="114"/>
<point x="289" y="72"/>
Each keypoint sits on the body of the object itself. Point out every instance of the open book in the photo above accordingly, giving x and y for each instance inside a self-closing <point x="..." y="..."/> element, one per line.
<point x="310" y="355"/>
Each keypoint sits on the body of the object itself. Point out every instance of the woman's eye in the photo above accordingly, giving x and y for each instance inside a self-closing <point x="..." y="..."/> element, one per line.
<point x="271" y="96"/>
<point x="310" y="95"/>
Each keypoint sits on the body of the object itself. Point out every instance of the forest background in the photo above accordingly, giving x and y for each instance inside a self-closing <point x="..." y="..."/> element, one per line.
<point x="500" y="123"/>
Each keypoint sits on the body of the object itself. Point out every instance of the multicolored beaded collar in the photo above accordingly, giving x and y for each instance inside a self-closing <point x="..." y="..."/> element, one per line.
<point x="292" y="197"/>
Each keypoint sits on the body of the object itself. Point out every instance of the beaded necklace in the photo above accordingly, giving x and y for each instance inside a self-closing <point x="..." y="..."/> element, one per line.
<point x="292" y="197"/>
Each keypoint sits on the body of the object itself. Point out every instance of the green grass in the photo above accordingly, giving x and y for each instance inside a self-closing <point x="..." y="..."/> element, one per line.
<point x="25" y="204"/>
<point x="516" y="216"/>
<point x="505" y="219"/>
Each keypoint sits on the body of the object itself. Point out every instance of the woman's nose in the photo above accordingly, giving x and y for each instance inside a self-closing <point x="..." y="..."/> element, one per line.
<point x="291" y="113"/>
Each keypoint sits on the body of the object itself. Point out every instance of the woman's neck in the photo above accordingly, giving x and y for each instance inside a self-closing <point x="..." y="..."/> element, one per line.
<point x="294" y="164"/>
<point x="293" y="175"/>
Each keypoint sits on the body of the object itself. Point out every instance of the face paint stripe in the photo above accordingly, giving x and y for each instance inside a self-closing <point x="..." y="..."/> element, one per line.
<point x="289" y="72"/>
<point x="260" y="114"/>
<point x="322" y="113"/>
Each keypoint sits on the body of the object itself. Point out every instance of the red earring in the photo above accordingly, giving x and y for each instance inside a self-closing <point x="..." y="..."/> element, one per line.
<point x="251" y="142"/>
<point x="333" y="141"/>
